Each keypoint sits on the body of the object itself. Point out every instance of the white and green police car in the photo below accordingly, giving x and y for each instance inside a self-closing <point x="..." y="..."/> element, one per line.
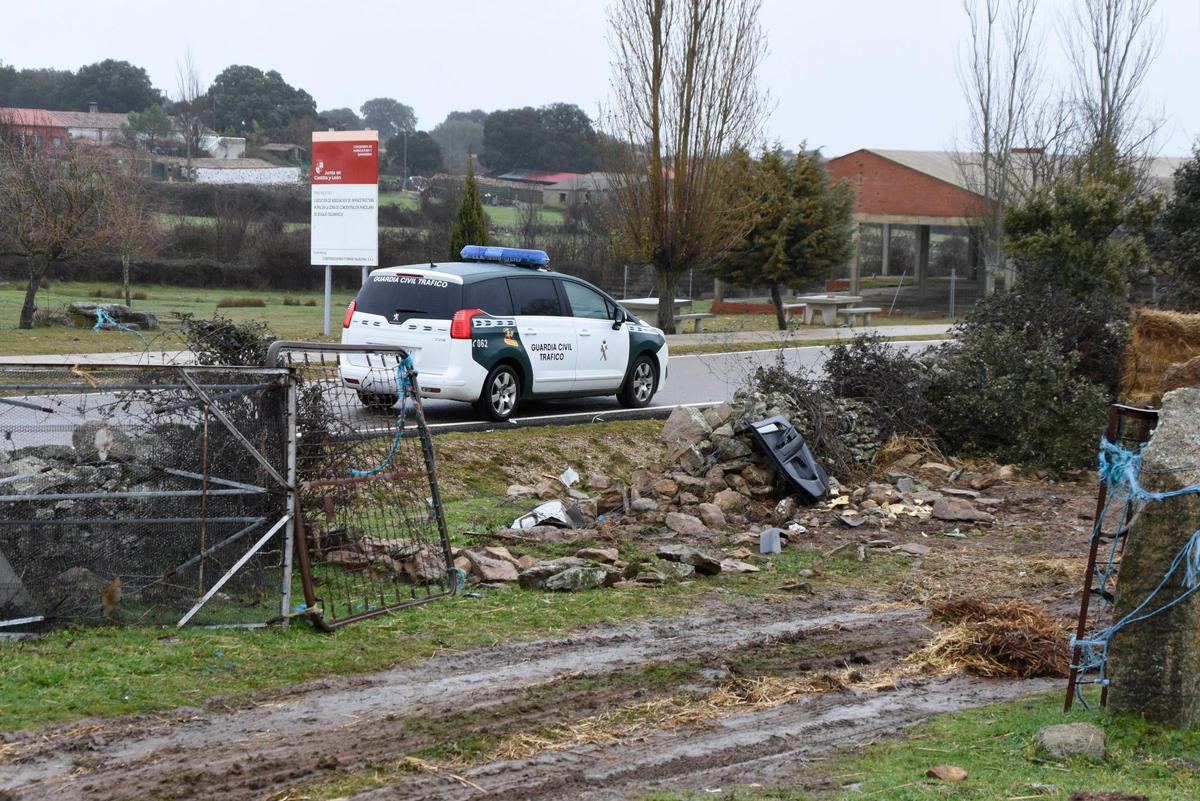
<point x="498" y="328"/>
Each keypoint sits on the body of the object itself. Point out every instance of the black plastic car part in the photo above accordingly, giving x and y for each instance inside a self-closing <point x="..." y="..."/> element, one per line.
<point x="780" y="440"/>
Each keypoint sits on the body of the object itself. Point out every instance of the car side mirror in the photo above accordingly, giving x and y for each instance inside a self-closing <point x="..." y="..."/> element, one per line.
<point x="619" y="319"/>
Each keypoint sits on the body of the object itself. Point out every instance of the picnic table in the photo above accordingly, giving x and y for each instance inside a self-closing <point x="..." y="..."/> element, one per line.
<point x="828" y="305"/>
<point x="648" y="307"/>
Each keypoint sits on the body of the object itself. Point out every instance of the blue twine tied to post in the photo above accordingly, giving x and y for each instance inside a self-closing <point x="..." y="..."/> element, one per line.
<point x="1121" y="468"/>
<point x="404" y="385"/>
<point x="106" y="320"/>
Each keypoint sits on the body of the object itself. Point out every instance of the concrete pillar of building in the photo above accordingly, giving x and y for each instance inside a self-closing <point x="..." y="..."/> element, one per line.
<point x="886" y="238"/>
<point x="855" y="262"/>
<point x="922" y="260"/>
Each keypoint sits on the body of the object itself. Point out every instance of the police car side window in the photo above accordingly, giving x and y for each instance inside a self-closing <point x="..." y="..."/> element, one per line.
<point x="586" y="302"/>
<point x="535" y="296"/>
<point x="490" y="295"/>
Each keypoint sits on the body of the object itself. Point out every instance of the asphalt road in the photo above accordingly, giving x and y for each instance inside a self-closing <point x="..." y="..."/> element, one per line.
<point x="699" y="380"/>
<point x="692" y="380"/>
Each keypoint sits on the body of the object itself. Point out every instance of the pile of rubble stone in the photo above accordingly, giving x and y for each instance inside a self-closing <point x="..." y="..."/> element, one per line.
<point x="714" y="503"/>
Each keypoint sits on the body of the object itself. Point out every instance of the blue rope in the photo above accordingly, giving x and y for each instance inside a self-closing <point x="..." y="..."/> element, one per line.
<point x="1119" y="470"/>
<point x="106" y="320"/>
<point x="404" y="385"/>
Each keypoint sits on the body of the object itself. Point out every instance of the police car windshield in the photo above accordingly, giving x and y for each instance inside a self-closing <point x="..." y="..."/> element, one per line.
<point x="400" y="297"/>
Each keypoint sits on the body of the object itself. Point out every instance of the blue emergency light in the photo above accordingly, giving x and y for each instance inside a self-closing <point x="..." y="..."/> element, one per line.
<point x="523" y="257"/>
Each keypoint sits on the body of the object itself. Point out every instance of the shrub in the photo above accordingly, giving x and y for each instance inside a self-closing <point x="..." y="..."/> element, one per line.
<point x="222" y="341"/>
<point x="890" y="380"/>
<point x="241" y="303"/>
<point x="290" y="301"/>
<point x="1094" y="328"/>
<point x="117" y="293"/>
<point x="310" y="302"/>
<point x="1004" y="397"/>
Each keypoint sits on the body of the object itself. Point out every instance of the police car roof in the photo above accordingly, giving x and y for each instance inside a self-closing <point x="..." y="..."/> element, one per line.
<point x="471" y="271"/>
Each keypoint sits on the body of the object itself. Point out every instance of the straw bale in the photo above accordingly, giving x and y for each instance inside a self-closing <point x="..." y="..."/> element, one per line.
<point x="1158" y="340"/>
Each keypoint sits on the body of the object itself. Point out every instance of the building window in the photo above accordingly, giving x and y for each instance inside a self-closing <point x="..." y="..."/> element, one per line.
<point x="562" y="197"/>
<point x="56" y="141"/>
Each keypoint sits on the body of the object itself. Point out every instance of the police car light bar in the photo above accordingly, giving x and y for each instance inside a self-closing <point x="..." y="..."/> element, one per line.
<point x="522" y="257"/>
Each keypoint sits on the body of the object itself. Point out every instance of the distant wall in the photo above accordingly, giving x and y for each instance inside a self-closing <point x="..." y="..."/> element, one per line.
<point x="273" y="175"/>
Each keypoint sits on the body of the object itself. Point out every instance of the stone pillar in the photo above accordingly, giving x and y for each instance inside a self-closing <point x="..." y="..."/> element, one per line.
<point x="718" y="290"/>
<point x="1155" y="663"/>
<point x="886" y="238"/>
<point x="922" y="260"/>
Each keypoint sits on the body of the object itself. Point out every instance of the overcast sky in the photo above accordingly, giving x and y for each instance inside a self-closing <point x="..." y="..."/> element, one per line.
<point x="843" y="74"/>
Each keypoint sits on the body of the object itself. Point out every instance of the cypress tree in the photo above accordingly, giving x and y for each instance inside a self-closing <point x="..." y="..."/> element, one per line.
<point x="470" y="226"/>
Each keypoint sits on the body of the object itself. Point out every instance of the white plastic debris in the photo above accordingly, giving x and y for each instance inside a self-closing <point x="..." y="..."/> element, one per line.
<point x="569" y="477"/>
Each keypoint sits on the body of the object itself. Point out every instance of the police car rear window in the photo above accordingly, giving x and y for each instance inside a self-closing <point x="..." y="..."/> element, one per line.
<point x="490" y="295"/>
<point x="400" y="297"/>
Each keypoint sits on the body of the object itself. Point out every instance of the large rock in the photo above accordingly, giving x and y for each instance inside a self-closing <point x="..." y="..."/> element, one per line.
<point x="491" y="568"/>
<point x="1067" y="740"/>
<point x="711" y="515"/>
<point x="730" y="500"/>
<point x="959" y="510"/>
<point x="682" y="523"/>
<point x="684" y="428"/>
<point x="534" y="577"/>
<point x="1155" y="662"/>
<point x="83" y="315"/>
<point x="706" y="564"/>
<point x="100" y="442"/>
<point x="575" y="579"/>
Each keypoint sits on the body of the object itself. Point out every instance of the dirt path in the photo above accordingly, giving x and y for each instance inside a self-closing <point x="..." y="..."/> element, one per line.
<point x="329" y="728"/>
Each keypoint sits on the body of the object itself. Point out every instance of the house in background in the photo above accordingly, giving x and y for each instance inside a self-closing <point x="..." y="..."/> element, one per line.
<point x="577" y="190"/>
<point x="94" y="125"/>
<point x="223" y="147"/>
<point x="34" y="126"/>
<point x="288" y="152"/>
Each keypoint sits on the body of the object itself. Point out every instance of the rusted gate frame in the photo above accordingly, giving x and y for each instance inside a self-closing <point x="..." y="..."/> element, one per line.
<point x="279" y="378"/>
<point x="1114" y="432"/>
<point x="295" y="526"/>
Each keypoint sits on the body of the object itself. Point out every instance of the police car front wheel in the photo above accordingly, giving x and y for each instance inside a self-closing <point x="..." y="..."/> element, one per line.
<point x="501" y="393"/>
<point x="639" y="388"/>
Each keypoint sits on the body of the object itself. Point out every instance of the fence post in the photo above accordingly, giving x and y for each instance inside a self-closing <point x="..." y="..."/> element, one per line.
<point x="953" y="275"/>
<point x="328" y="292"/>
<point x="625" y="284"/>
<point x="289" y="536"/>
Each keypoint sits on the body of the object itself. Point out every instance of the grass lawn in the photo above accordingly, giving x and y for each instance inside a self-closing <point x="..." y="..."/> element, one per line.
<point x="733" y="347"/>
<point x="288" y="322"/>
<point x="766" y="322"/>
<point x="995" y="745"/>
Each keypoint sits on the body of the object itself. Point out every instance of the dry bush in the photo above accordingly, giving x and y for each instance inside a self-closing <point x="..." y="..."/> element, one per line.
<point x="241" y="302"/>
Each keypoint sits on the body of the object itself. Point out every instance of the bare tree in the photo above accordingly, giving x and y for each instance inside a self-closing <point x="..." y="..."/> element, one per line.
<point x="999" y="72"/>
<point x="685" y="94"/>
<point x="135" y="233"/>
<point x="189" y="109"/>
<point x="1112" y="44"/>
<point x="55" y="205"/>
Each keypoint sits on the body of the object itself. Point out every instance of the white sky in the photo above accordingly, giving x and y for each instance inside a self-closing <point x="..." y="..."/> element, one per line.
<point x="844" y="75"/>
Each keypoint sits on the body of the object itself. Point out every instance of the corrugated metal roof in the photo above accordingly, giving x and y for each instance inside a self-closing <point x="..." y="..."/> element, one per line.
<point x="537" y="177"/>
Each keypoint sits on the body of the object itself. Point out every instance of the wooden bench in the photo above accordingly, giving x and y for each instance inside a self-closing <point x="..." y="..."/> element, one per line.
<point x="697" y="318"/>
<point x="793" y="308"/>
<point x="864" y="311"/>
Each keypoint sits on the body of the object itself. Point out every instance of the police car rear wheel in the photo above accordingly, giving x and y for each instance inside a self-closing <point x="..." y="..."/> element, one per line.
<point x="639" y="389"/>
<point x="501" y="393"/>
<point x="377" y="401"/>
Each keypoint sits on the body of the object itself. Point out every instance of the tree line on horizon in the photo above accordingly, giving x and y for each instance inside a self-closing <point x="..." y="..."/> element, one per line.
<point x="262" y="106"/>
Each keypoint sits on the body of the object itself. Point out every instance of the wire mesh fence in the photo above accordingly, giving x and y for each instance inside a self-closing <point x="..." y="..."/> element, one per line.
<point x="370" y="534"/>
<point x="142" y="495"/>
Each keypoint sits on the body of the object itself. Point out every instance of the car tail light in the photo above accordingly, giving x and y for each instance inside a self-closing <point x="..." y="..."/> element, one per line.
<point x="349" y="313"/>
<point x="460" y="326"/>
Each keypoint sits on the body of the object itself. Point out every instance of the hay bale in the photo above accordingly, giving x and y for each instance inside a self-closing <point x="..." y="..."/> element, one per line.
<point x="1158" y="340"/>
<point x="1009" y="639"/>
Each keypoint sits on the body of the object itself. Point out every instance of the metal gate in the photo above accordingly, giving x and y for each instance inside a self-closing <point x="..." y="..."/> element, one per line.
<point x="143" y="495"/>
<point x="370" y="534"/>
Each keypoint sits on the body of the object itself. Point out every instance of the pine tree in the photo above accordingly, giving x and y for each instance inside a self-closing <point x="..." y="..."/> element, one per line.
<point x="798" y="224"/>
<point x="470" y="226"/>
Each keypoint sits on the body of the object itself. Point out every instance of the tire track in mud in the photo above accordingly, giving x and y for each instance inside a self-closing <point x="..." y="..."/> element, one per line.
<point x="293" y="736"/>
<point x="771" y="746"/>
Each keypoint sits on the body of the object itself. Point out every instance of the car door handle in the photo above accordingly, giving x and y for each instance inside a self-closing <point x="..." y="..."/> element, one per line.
<point x="529" y="331"/>
<point x="585" y="333"/>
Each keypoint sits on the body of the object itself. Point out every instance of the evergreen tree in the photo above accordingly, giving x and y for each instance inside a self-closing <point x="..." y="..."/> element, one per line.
<point x="1177" y="235"/>
<point x="797" y="225"/>
<point x="470" y="226"/>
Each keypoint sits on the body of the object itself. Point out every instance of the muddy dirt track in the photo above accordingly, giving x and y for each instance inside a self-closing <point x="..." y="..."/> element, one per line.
<point x="280" y="744"/>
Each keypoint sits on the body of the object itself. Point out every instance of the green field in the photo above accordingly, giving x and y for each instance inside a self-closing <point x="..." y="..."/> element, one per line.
<point x="288" y="322"/>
